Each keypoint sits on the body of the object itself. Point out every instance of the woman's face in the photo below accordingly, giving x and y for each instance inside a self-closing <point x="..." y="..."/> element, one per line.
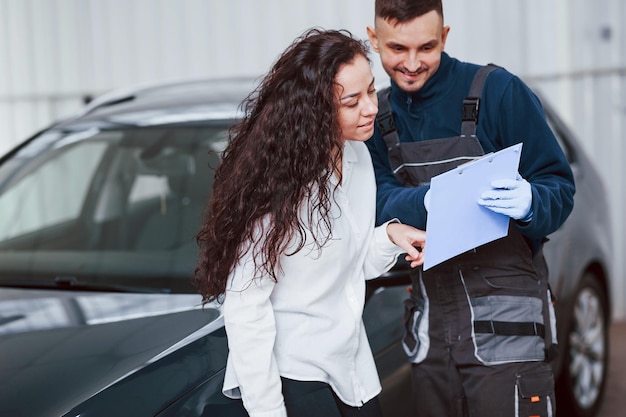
<point x="358" y="103"/>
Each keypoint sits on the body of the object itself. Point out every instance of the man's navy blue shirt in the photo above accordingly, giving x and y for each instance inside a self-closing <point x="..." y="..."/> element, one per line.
<point x="510" y="113"/>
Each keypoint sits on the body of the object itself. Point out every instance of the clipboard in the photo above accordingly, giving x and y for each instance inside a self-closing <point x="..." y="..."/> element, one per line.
<point x="456" y="222"/>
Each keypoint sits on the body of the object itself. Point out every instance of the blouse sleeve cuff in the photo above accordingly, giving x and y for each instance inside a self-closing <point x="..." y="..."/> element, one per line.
<point x="383" y="242"/>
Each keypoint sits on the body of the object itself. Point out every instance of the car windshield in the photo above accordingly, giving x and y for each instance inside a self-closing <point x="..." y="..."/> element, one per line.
<point x="107" y="207"/>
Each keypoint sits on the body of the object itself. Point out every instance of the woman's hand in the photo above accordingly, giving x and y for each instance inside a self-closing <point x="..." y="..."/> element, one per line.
<point x="410" y="239"/>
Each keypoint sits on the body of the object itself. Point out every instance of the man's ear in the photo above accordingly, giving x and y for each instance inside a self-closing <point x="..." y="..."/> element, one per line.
<point x="371" y="34"/>
<point x="444" y="36"/>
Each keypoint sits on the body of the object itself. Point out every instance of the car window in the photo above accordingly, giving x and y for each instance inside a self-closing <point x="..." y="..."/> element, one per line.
<point x="112" y="206"/>
<point x="31" y="202"/>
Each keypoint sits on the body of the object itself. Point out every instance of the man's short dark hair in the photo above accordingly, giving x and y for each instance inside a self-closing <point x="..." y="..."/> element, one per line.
<point x="401" y="11"/>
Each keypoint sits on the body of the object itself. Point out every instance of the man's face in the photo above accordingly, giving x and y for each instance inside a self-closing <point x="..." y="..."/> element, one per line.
<point x="410" y="52"/>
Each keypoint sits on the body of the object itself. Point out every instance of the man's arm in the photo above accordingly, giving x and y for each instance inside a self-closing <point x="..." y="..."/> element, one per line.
<point x="521" y="119"/>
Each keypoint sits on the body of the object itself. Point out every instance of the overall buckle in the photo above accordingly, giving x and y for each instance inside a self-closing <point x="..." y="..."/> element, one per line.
<point x="470" y="108"/>
<point x="386" y="123"/>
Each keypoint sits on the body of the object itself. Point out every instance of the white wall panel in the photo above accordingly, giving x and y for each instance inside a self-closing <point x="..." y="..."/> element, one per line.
<point x="53" y="52"/>
<point x="45" y="46"/>
<point x="5" y="64"/>
<point x="19" y="39"/>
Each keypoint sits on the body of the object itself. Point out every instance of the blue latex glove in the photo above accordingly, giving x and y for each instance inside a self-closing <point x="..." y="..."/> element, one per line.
<point x="510" y="197"/>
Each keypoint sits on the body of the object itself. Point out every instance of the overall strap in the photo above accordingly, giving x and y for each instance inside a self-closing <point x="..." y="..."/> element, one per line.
<point x="471" y="103"/>
<point x="385" y="119"/>
<point x="388" y="131"/>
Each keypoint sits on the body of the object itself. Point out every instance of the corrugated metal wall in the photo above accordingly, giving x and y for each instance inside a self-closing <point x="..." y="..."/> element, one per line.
<point x="53" y="53"/>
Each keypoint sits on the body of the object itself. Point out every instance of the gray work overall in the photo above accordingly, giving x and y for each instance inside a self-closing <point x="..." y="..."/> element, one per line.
<point x="480" y="328"/>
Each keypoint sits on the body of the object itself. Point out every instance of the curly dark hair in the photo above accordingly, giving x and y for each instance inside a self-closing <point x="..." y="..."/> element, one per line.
<point x="281" y="155"/>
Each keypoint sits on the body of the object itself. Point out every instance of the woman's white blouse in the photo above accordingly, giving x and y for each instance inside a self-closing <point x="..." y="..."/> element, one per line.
<point x="308" y="325"/>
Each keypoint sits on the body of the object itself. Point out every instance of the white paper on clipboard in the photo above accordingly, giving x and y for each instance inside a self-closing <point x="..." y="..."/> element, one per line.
<point x="456" y="222"/>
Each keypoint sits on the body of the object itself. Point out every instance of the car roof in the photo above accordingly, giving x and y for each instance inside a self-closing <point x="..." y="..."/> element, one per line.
<point x="173" y="102"/>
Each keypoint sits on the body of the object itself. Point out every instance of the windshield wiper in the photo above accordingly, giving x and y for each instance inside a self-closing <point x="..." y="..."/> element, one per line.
<point x="73" y="284"/>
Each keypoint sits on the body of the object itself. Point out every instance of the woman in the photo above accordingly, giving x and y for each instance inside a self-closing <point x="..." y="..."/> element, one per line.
<point x="289" y="236"/>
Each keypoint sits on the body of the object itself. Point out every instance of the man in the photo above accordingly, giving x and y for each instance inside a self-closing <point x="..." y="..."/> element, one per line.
<point x="480" y="327"/>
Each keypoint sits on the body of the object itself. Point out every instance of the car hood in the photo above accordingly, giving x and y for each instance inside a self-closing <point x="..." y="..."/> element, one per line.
<point x="61" y="348"/>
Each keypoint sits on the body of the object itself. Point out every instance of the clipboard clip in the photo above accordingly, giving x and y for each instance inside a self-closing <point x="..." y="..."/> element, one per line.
<point x="464" y="164"/>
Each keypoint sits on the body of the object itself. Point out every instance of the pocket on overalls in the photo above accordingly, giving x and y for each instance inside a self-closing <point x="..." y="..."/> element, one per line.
<point x="507" y="314"/>
<point x="535" y="393"/>
<point x="415" y="341"/>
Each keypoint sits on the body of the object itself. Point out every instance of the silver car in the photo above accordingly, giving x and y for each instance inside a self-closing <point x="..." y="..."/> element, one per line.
<point x="98" y="316"/>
